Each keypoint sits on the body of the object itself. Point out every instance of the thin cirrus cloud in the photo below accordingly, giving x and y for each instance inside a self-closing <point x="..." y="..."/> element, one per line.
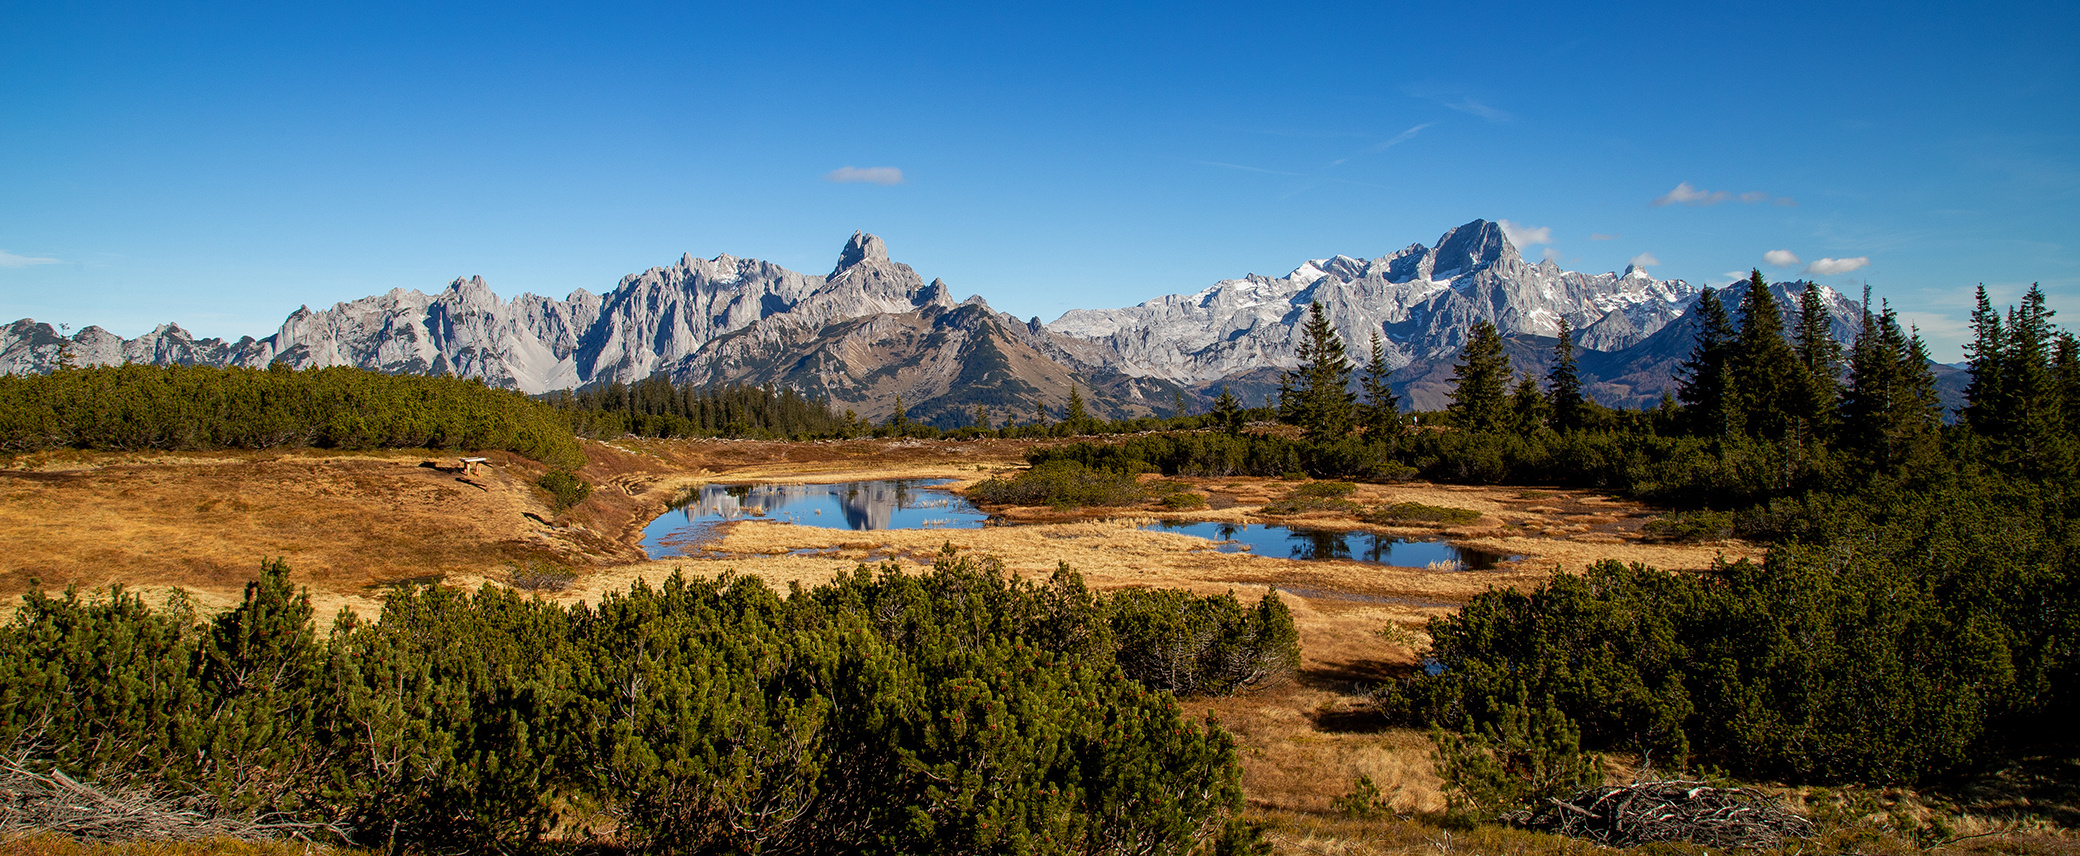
<point x="1780" y="258"/>
<point x="1830" y="267"/>
<point x="1521" y="235"/>
<point x="1645" y="260"/>
<point x="883" y="175"/>
<point x="1687" y="194"/>
<point x="10" y="260"/>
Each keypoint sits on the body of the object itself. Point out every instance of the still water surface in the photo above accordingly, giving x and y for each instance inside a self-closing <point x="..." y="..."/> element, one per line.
<point x="886" y="504"/>
<point x="1299" y="543"/>
<point x="922" y="504"/>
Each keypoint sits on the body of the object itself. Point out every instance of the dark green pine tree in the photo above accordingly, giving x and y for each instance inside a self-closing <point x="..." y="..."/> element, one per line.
<point x="1711" y="405"/>
<point x="1570" y="411"/>
<point x="1763" y="367"/>
<point x="1819" y="361"/>
<point x="1227" y="411"/>
<point x="1982" y="395"/>
<point x="1527" y="405"/>
<point x="2066" y="371"/>
<point x="2033" y="416"/>
<point x="1177" y="407"/>
<point x="1316" y="395"/>
<point x="1381" y="412"/>
<point x="1890" y="419"/>
<point x="1480" y="395"/>
<point x="1075" y="420"/>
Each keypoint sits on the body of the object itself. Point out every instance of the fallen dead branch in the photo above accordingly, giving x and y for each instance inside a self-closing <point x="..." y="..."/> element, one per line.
<point x="32" y="802"/>
<point x="1641" y="812"/>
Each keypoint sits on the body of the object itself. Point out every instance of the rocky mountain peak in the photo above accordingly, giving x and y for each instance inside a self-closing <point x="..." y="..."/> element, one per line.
<point x="1472" y="247"/>
<point x="862" y="248"/>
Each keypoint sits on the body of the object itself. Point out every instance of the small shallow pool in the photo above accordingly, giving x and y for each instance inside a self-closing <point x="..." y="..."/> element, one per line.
<point x="865" y="505"/>
<point x="1300" y="543"/>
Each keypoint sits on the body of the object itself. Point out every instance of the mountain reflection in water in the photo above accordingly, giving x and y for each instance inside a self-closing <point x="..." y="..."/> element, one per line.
<point x="886" y="504"/>
<point x="1313" y="544"/>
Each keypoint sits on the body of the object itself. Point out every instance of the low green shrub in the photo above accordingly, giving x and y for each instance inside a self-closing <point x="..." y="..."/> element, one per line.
<point x="1690" y="527"/>
<point x="1062" y="483"/>
<point x="1183" y="500"/>
<point x="1416" y="512"/>
<point x="1314" y="496"/>
<point x="565" y="489"/>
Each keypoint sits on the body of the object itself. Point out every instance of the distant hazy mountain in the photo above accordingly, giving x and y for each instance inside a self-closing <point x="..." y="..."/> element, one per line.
<point x="872" y="331"/>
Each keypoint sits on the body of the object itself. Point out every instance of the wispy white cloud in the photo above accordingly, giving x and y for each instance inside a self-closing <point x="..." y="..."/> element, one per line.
<point x="1645" y="260"/>
<point x="1785" y="202"/>
<point x="1244" y="167"/>
<point x="865" y="175"/>
<point x="10" y="260"/>
<point x="1476" y="108"/>
<point x="1455" y="98"/>
<point x="1830" y="267"/>
<point x="1552" y="254"/>
<point x="1686" y="194"/>
<point x="1402" y="137"/>
<point x="1525" y="236"/>
<point x="1599" y="236"/>
<point x="1780" y="258"/>
<point x="1733" y="276"/>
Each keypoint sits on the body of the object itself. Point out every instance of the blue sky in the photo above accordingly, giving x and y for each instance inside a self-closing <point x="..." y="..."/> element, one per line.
<point x="218" y="165"/>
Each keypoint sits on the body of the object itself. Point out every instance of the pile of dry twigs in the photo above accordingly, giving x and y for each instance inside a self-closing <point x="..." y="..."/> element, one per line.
<point x="1628" y="815"/>
<point x="32" y="802"/>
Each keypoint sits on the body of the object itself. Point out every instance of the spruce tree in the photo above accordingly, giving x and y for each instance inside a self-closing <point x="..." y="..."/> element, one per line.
<point x="1227" y="411"/>
<point x="1982" y="395"/>
<point x="1564" y="385"/>
<point x="1382" y="411"/>
<point x="1763" y="365"/>
<point x="1479" y="392"/>
<point x="1316" y="395"/>
<point x="2032" y="418"/>
<point x="1710" y="403"/>
<point x="2066" y="370"/>
<point x="1890" y="419"/>
<point x="1527" y="405"/>
<point x="1076" y="420"/>
<point x="1819" y="360"/>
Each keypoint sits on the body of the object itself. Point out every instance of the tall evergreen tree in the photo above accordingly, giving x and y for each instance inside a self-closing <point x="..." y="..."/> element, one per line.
<point x="1316" y="395"/>
<point x="1381" y="413"/>
<point x="1890" y="418"/>
<point x="1527" y="405"/>
<point x="1982" y="395"/>
<point x="2066" y="370"/>
<point x="1227" y="411"/>
<point x="1819" y="361"/>
<point x="1076" y="415"/>
<point x="1710" y="402"/>
<point x="1480" y="396"/>
<point x="1564" y="385"/>
<point x="1763" y="366"/>
<point x="2032" y="416"/>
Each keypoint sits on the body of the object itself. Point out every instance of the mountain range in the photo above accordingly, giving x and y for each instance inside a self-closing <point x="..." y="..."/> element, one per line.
<point x="873" y="333"/>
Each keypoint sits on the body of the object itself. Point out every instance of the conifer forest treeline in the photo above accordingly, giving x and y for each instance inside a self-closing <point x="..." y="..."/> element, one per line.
<point x="955" y="711"/>
<point x="1917" y="615"/>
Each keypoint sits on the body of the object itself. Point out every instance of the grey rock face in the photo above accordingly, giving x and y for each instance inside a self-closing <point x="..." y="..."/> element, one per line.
<point x="657" y="320"/>
<point x="1420" y="300"/>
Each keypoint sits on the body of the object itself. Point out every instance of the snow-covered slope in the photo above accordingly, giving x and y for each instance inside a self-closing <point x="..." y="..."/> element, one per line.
<point x="1420" y="300"/>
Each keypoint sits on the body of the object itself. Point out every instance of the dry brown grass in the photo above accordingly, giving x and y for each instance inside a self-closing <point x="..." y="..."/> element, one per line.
<point x="60" y="845"/>
<point x="347" y="524"/>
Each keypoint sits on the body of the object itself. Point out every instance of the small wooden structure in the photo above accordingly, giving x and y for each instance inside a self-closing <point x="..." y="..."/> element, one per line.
<point x="471" y="466"/>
